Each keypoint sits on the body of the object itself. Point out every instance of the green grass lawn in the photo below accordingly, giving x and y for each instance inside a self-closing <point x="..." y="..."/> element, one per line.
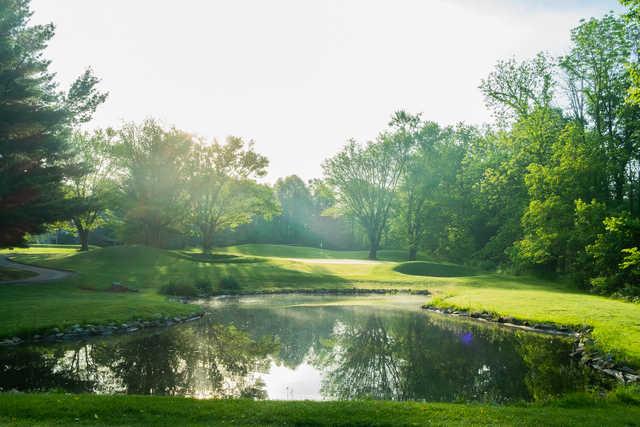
<point x="64" y="409"/>
<point x="83" y="298"/>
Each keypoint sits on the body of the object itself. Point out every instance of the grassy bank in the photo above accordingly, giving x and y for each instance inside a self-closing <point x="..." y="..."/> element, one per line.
<point x="59" y="409"/>
<point x="83" y="298"/>
<point x="14" y="274"/>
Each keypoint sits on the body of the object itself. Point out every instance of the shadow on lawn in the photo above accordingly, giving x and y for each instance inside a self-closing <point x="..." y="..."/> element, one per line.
<point x="215" y="258"/>
<point x="425" y="268"/>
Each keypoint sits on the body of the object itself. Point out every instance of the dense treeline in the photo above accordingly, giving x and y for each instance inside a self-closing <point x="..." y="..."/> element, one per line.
<point x="552" y="187"/>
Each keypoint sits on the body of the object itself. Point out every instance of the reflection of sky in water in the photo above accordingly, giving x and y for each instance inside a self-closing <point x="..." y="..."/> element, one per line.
<point x="299" y="383"/>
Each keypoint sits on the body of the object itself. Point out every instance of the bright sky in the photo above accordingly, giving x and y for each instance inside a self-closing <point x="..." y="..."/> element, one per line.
<point x="299" y="77"/>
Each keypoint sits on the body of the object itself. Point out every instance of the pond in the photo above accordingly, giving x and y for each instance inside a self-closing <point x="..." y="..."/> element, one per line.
<point x="309" y="347"/>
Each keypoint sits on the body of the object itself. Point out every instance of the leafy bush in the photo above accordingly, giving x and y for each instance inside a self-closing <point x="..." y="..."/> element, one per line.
<point x="204" y="287"/>
<point x="228" y="283"/>
<point x="615" y="258"/>
<point x="179" y="289"/>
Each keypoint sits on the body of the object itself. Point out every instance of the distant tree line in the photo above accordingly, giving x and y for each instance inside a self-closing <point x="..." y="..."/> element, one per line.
<point x="552" y="187"/>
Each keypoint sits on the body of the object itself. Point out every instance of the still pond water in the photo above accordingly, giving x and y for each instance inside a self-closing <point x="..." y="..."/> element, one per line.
<point x="309" y="347"/>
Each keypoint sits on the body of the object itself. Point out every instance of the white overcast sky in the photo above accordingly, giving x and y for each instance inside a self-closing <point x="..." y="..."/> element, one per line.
<point x="299" y="77"/>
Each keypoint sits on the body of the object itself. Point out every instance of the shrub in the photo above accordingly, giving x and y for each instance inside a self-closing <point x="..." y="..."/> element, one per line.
<point x="179" y="289"/>
<point x="228" y="283"/>
<point x="204" y="286"/>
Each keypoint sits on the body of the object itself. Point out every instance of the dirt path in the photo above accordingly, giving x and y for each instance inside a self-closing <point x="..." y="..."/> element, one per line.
<point x="43" y="274"/>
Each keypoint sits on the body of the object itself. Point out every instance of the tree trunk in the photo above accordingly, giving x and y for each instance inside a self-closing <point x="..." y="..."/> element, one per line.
<point x="619" y="188"/>
<point x="207" y="241"/>
<point x="413" y="252"/>
<point x="373" y="248"/>
<point x="373" y="253"/>
<point x="206" y="246"/>
<point x="84" y="240"/>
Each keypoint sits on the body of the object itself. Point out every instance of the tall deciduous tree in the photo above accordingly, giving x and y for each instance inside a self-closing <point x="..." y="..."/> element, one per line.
<point x="598" y="58"/>
<point x="89" y="186"/>
<point x="366" y="178"/>
<point x="297" y="208"/>
<point x="633" y="16"/>
<point x="152" y="164"/>
<point x="514" y="89"/>
<point x="36" y="118"/>
<point x="221" y="190"/>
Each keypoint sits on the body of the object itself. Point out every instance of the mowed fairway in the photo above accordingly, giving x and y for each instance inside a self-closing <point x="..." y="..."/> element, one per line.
<point x="83" y="298"/>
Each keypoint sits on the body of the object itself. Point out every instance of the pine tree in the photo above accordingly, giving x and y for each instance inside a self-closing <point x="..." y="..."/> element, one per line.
<point x="35" y="120"/>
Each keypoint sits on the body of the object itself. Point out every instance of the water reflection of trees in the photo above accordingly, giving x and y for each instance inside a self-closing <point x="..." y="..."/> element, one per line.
<point x="362" y="353"/>
<point x="298" y="330"/>
<point x="37" y="370"/>
<point x="387" y="354"/>
<point x="403" y="356"/>
<point x="362" y="360"/>
<point x="202" y="361"/>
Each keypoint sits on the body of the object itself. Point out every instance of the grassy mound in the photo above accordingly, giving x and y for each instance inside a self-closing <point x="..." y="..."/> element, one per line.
<point x="425" y="268"/>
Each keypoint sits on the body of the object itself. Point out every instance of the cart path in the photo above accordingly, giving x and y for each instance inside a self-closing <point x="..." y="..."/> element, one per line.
<point x="43" y="274"/>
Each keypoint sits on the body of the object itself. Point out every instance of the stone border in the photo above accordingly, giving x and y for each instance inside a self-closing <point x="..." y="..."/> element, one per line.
<point x="78" y="332"/>
<point x="583" y="345"/>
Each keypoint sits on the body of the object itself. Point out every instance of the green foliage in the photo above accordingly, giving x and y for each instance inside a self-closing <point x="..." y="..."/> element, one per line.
<point x="515" y="88"/>
<point x="229" y="283"/>
<point x="204" y="287"/>
<point x="614" y="256"/>
<point x="151" y="164"/>
<point x="366" y="177"/>
<point x="220" y="190"/>
<point x="631" y="261"/>
<point x="179" y="289"/>
<point x="90" y="189"/>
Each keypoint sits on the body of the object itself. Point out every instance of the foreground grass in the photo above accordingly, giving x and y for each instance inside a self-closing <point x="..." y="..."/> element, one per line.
<point x="83" y="298"/>
<point x="59" y="409"/>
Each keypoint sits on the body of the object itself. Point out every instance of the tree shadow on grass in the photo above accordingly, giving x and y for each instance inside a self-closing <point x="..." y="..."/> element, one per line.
<point x="270" y="275"/>
<point x="518" y="283"/>
<point x="215" y="258"/>
<point x="425" y="268"/>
